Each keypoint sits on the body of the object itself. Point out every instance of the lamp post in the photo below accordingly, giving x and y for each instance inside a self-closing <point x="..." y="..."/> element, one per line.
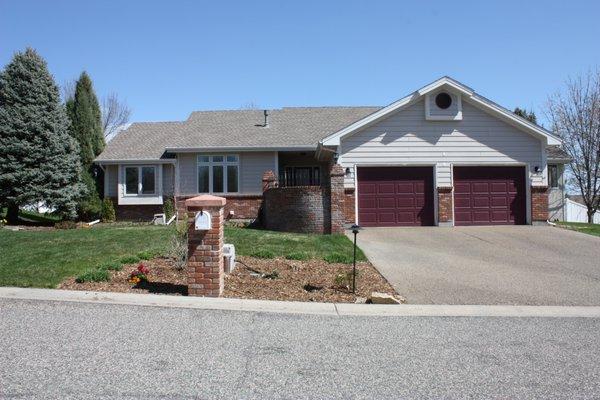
<point x="355" y="229"/>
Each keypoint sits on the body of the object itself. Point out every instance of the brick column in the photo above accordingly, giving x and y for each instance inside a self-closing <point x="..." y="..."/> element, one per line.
<point x="336" y="178"/>
<point x="539" y="204"/>
<point x="269" y="180"/>
<point x="205" y="248"/>
<point x="445" y="211"/>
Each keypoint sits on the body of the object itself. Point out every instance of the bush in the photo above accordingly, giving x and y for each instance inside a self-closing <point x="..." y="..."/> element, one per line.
<point x="338" y="258"/>
<point x="168" y="209"/>
<point x="90" y="206"/>
<point x="112" y="266"/>
<point x="93" y="275"/>
<point x="178" y="248"/>
<point x="146" y="255"/>
<point x="129" y="260"/>
<point x="65" y="225"/>
<point x="297" y="255"/>
<point x="263" y="253"/>
<point x="108" y="211"/>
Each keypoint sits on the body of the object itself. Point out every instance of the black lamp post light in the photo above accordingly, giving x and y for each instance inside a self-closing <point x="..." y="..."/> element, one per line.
<point x="355" y="229"/>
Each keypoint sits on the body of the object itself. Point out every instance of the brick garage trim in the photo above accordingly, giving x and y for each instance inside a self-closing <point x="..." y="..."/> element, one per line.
<point x="349" y="203"/>
<point x="445" y="206"/>
<point x="539" y="204"/>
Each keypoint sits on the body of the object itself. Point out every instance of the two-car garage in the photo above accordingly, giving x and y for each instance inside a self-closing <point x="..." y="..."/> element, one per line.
<point x="405" y="196"/>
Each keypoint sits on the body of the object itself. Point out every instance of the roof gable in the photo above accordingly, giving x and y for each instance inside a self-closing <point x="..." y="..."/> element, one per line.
<point x="453" y="85"/>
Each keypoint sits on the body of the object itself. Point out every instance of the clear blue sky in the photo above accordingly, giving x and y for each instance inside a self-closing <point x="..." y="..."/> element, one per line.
<point x="167" y="58"/>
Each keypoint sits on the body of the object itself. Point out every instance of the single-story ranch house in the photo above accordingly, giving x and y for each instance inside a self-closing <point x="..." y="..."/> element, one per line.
<point x="443" y="155"/>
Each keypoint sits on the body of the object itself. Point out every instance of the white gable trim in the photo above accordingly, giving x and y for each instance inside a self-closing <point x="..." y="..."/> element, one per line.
<point x="467" y="94"/>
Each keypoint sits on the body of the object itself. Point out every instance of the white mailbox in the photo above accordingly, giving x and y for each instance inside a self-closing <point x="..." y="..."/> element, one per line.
<point x="203" y="221"/>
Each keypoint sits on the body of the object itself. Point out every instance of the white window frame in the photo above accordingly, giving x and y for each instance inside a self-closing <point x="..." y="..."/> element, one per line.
<point x="210" y="163"/>
<point x="139" y="172"/>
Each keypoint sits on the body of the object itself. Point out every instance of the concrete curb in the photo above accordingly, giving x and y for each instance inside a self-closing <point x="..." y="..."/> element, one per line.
<point x="290" y="307"/>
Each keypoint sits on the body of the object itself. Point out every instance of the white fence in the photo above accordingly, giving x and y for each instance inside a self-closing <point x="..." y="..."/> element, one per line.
<point x="575" y="212"/>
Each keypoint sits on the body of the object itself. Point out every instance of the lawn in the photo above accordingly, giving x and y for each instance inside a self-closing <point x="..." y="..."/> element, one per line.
<point x="255" y="242"/>
<point x="45" y="258"/>
<point x="591" y="229"/>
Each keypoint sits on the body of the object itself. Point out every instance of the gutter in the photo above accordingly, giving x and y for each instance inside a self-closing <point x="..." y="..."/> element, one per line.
<point x="238" y="148"/>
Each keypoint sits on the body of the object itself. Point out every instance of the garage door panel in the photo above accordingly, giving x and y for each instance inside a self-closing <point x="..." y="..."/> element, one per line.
<point x="489" y="195"/>
<point x="386" y="188"/>
<point x="396" y="196"/>
<point x="386" y="202"/>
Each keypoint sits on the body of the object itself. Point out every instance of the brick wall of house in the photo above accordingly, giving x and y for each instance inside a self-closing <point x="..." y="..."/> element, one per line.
<point x="136" y="212"/>
<point x="349" y="215"/>
<point x="243" y="207"/>
<point x="445" y="208"/>
<point x="539" y="204"/>
<point x="336" y="199"/>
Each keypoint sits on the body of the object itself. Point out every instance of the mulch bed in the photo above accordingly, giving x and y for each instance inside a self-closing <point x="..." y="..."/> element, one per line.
<point x="164" y="279"/>
<point x="253" y="278"/>
<point x="295" y="277"/>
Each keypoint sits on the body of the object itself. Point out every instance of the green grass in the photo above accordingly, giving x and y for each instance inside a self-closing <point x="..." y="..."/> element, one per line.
<point x="590" y="229"/>
<point x="45" y="258"/>
<point x="249" y="241"/>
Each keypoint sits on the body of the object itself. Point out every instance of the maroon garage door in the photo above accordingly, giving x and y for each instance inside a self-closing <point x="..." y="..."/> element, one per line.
<point x="489" y="195"/>
<point x="395" y="196"/>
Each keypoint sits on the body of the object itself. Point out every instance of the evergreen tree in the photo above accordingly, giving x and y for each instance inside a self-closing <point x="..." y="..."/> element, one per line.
<point x="39" y="160"/>
<point x="528" y="115"/>
<point x="86" y="127"/>
<point x="86" y="123"/>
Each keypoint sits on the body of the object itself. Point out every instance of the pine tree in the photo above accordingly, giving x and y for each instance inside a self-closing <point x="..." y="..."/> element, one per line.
<point x="39" y="160"/>
<point x="86" y="127"/>
<point x="86" y="123"/>
<point x="528" y="115"/>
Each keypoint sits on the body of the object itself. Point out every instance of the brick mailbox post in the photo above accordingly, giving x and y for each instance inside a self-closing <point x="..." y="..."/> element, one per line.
<point x="205" y="247"/>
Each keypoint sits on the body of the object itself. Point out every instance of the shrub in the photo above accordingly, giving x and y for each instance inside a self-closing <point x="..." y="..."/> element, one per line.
<point x="344" y="279"/>
<point x="90" y="206"/>
<point x="108" y="211"/>
<point x="146" y="255"/>
<point x="112" y="266"/>
<point x="338" y="258"/>
<point x="178" y="248"/>
<point x="297" y="255"/>
<point x="93" y="275"/>
<point x="168" y="209"/>
<point x="263" y="253"/>
<point x="129" y="259"/>
<point x="65" y="225"/>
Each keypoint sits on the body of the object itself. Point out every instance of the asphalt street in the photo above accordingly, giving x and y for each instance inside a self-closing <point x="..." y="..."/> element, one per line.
<point x="63" y="350"/>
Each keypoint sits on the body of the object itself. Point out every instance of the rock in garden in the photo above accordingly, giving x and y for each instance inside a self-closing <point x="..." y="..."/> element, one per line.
<point x="383" y="298"/>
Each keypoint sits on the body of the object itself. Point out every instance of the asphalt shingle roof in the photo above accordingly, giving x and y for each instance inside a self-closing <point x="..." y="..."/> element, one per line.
<point x="288" y="127"/>
<point x="556" y="153"/>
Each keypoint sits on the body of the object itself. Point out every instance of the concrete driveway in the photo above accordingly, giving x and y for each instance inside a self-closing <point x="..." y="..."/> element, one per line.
<point x="523" y="265"/>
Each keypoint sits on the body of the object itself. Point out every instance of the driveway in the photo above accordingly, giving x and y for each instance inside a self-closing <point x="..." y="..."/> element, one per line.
<point x="523" y="265"/>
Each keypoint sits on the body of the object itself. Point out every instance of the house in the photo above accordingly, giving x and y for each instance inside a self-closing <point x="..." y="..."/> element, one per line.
<point x="443" y="155"/>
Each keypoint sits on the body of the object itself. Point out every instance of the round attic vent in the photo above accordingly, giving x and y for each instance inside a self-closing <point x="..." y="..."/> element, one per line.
<point x="443" y="100"/>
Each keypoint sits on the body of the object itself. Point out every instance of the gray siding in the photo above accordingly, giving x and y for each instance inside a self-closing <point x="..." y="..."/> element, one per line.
<point x="252" y="167"/>
<point x="556" y="198"/>
<point x="407" y="138"/>
<point x="168" y="178"/>
<point x="112" y="172"/>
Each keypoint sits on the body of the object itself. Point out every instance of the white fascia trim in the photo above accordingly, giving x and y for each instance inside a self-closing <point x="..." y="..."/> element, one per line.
<point x="467" y="92"/>
<point x="237" y="148"/>
<point x="137" y="161"/>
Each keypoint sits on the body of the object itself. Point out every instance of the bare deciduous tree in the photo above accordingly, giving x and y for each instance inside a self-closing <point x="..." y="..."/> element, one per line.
<point x="68" y="90"/>
<point x="115" y="114"/>
<point x="575" y="116"/>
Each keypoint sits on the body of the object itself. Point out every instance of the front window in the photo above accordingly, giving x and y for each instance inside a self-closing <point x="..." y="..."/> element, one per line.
<point x="140" y="180"/>
<point x="218" y="173"/>
<point x="553" y="176"/>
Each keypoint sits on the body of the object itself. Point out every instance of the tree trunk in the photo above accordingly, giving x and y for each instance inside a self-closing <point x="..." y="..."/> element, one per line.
<point x="12" y="214"/>
<point x="590" y="215"/>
